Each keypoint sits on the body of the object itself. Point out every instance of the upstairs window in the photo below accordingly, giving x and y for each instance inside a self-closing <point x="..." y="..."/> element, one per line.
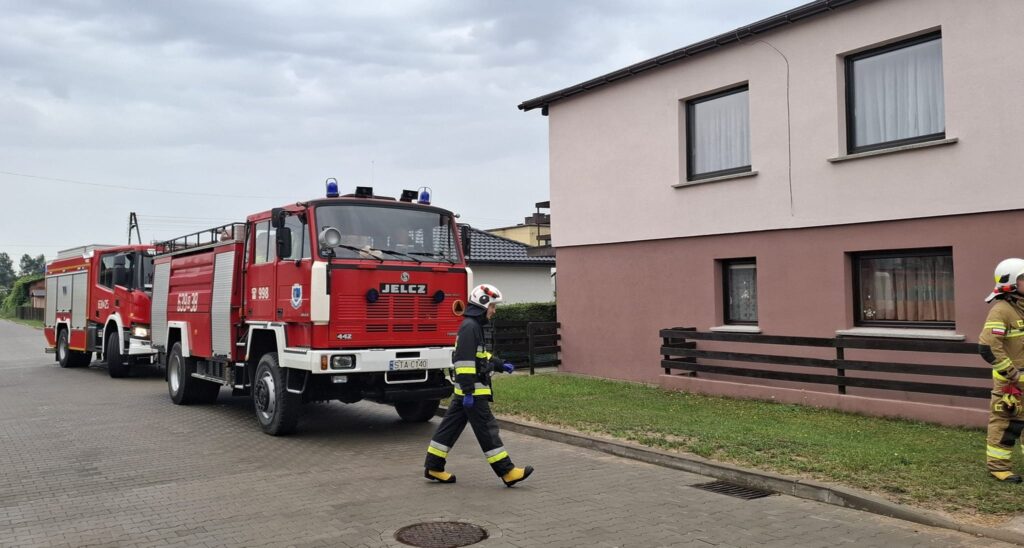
<point x="911" y="288"/>
<point x="895" y="95"/>
<point x="718" y="134"/>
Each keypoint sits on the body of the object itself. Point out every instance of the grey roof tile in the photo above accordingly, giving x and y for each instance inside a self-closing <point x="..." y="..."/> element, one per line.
<point x="488" y="248"/>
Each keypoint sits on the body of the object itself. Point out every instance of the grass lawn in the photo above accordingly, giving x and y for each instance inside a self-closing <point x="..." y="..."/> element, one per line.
<point x="31" y="323"/>
<point x="914" y="463"/>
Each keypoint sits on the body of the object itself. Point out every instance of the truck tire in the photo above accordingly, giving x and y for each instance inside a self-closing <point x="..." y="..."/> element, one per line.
<point x="277" y="410"/>
<point x="417" y="411"/>
<point x="67" y="357"/>
<point x="182" y="386"/>
<point x="117" y="364"/>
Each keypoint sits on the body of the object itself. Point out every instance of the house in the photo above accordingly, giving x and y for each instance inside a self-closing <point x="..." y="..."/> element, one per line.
<point x="838" y="169"/>
<point x="505" y="264"/>
<point x="534" y="231"/>
<point x="37" y="294"/>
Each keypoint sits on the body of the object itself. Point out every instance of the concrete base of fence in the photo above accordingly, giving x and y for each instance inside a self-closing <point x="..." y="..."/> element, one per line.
<point x="877" y="407"/>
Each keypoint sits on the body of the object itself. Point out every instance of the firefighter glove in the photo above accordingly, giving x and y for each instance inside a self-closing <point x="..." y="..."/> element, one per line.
<point x="508" y="367"/>
<point x="468" y="401"/>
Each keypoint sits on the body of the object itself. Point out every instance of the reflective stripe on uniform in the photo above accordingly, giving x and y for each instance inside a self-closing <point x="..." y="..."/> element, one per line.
<point x="470" y="370"/>
<point x="994" y="324"/>
<point x="435" y="451"/>
<point x="998" y="377"/>
<point x="1017" y="334"/>
<point x="1007" y="362"/>
<point x="478" y="390"/>
<point x="998" y="453"/>
<point x="494" y="455"/>
<point x="483" y="355"/>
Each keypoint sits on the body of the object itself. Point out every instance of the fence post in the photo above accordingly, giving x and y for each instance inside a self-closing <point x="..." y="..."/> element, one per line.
<point x="840" y="372"/>
<point x="529" y="346"/>
<point x="669" y="341"/>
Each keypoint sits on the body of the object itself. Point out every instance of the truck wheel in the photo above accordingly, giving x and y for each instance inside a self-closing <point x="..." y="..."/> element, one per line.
<point x="277" y="410"/>
<point x="417" y="411"/>
<point x="117" y="365"/>
<point x="182" y="386"/>
<point x="67" y="357"/>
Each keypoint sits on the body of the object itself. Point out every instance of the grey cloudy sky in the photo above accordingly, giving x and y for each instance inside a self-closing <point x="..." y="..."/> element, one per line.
<point x="194" y="113"/>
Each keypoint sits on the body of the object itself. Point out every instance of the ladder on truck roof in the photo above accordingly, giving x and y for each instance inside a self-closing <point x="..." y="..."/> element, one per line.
<point x="81" y="251"/>
<point x="211" y="237"/>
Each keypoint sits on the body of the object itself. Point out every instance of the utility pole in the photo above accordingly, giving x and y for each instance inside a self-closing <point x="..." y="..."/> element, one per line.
<point x="133" y="224"/>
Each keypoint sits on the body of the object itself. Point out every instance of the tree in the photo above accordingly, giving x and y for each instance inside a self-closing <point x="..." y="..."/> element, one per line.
<point x="29" y="266"/>
<point x="6" y="272"/>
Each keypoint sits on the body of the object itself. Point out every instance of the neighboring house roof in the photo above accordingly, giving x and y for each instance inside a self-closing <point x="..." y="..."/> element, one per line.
<point x="799" y="13"/>
<point x="486" y="248"/>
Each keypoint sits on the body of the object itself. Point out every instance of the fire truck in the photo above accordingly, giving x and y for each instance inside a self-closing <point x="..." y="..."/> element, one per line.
<point x="98" y="301"/>
<point x="339" y="298"/>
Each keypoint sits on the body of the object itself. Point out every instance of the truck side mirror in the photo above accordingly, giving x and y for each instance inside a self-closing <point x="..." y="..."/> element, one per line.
<point x="277" y="218"/>
<point x="464" y="231"/>
<point x="284" y="242"/>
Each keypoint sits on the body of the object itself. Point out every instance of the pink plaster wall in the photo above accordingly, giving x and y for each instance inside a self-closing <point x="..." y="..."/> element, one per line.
<point x="613" y="299"/>
<point x="615" y="152"/>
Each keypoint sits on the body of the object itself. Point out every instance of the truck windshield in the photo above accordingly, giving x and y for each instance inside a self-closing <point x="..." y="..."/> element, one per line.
<point x="391" y="233"/>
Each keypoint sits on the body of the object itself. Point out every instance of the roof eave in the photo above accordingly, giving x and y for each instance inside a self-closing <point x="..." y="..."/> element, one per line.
<point x="785" y="18"/>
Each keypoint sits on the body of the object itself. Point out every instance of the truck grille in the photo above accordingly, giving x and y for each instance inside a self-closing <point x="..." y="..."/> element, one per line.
<point x="391" y="313"/>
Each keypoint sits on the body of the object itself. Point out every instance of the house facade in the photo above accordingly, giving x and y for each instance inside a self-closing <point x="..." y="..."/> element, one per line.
<point x="506" y="264"/>
<point x="839" y="169"/>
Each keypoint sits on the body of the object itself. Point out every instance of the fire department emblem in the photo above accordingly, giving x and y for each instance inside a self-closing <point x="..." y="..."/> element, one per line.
<point x="405" y="276"/>
<point x="296" y="296"/>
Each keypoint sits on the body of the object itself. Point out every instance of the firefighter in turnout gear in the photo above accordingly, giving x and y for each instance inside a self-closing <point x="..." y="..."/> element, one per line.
<point x="471" y="402"/>
<point x="1001" y="343"/>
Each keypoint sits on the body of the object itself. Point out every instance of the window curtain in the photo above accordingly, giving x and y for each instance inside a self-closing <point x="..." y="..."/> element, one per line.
<point x="913" y="289"/>
<point x="742" y="293"/>
<point x="899" y="95"/>
<point x="721" y="133"/>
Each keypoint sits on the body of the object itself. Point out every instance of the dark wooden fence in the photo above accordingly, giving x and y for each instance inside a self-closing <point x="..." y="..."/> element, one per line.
<point x="29" y="313"/>
<point x="679" y="352"/>
<point x="525" y="343"/>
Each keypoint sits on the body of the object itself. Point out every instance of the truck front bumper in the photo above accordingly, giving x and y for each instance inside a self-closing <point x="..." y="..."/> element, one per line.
<point x="406" y="360"/>
<point x="140" y="347"/>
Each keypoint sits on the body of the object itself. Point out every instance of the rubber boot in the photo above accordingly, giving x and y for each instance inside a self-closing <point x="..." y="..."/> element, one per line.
<point x="516" y="475"/>
<point x="1008" y="477"/>
<point x="442" y="477"/>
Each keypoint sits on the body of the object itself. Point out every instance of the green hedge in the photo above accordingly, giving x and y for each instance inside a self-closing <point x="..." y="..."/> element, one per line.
<point x="18" y="295"/>
<point x="532" y="312"/>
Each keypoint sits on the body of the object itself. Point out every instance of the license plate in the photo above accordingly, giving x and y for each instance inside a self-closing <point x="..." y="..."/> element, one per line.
<point x="405" y="365"/>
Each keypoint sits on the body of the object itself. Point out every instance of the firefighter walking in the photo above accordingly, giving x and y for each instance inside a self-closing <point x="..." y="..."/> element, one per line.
<point x="471" y="402"/>
<point x="1001" y="343"/>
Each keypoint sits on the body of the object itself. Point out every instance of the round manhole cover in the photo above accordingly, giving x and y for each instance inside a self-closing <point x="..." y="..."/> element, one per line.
<point x="441" y="534"/>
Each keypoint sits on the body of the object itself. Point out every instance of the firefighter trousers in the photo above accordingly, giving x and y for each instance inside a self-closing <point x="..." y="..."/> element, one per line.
<point x="1004" y="430"/>
<point x="484" y="425"/>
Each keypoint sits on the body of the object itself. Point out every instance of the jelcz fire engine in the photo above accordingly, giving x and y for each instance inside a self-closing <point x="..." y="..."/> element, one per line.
<point x="98" y="301"/>
<point x="341" y="298"/>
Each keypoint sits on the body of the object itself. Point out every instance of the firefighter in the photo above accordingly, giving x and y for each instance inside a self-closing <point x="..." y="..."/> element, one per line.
<point x="471" y="402"/>
<point x="1001" y="343"/>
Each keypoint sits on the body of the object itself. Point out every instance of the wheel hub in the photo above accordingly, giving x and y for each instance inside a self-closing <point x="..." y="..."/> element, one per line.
<point x="175" y="374"/>
<point x="265" y="395"/>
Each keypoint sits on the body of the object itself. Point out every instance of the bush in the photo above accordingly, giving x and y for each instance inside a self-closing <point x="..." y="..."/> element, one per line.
<point x="18" y="295"/>
<point x="526" y="312"/>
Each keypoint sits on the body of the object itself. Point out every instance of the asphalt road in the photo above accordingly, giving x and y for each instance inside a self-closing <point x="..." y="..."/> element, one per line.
<point x="87" y="460"/>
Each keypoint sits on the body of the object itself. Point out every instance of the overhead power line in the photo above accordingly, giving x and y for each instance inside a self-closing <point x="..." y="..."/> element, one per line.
<point x="139" y="189"/>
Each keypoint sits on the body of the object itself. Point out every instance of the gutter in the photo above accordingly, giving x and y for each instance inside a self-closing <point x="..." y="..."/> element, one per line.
<point x="794" y="15"/>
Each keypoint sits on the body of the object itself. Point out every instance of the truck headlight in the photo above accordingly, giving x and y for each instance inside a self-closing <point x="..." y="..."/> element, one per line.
<point x="140" y="331"/>
<point x="343" y="362"/>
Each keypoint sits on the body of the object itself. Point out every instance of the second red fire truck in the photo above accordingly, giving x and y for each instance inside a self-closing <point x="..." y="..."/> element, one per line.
<point x="339" y="298"/>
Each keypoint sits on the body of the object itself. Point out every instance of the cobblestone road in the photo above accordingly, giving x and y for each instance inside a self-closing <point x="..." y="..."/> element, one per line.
<point x="87" y="460"/>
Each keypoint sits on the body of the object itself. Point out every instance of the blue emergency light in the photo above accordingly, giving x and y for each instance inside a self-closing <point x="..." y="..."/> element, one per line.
<point x="425" y="195"/>
<point x="332" y="187"/>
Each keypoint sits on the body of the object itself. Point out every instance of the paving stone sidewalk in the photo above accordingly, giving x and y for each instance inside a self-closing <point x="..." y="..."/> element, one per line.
<point x="91" y="461"/>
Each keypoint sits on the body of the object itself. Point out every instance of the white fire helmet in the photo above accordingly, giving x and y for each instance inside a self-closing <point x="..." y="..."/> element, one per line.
<point x="1007" y="272"/>
<point x="484" y="295"/>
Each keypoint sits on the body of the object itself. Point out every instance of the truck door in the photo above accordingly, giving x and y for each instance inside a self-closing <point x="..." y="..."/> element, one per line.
<point x="293" y="272"/>
<point x="261" y="277"/>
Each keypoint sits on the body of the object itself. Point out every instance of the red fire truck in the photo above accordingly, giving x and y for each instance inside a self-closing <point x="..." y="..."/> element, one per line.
<point x="98" y="300"/>
<point x="340" y="298"/>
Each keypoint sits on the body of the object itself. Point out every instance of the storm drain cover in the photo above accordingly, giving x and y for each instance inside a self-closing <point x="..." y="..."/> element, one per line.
<point x="441" y="534"/>
<point x="733" y="490"/>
